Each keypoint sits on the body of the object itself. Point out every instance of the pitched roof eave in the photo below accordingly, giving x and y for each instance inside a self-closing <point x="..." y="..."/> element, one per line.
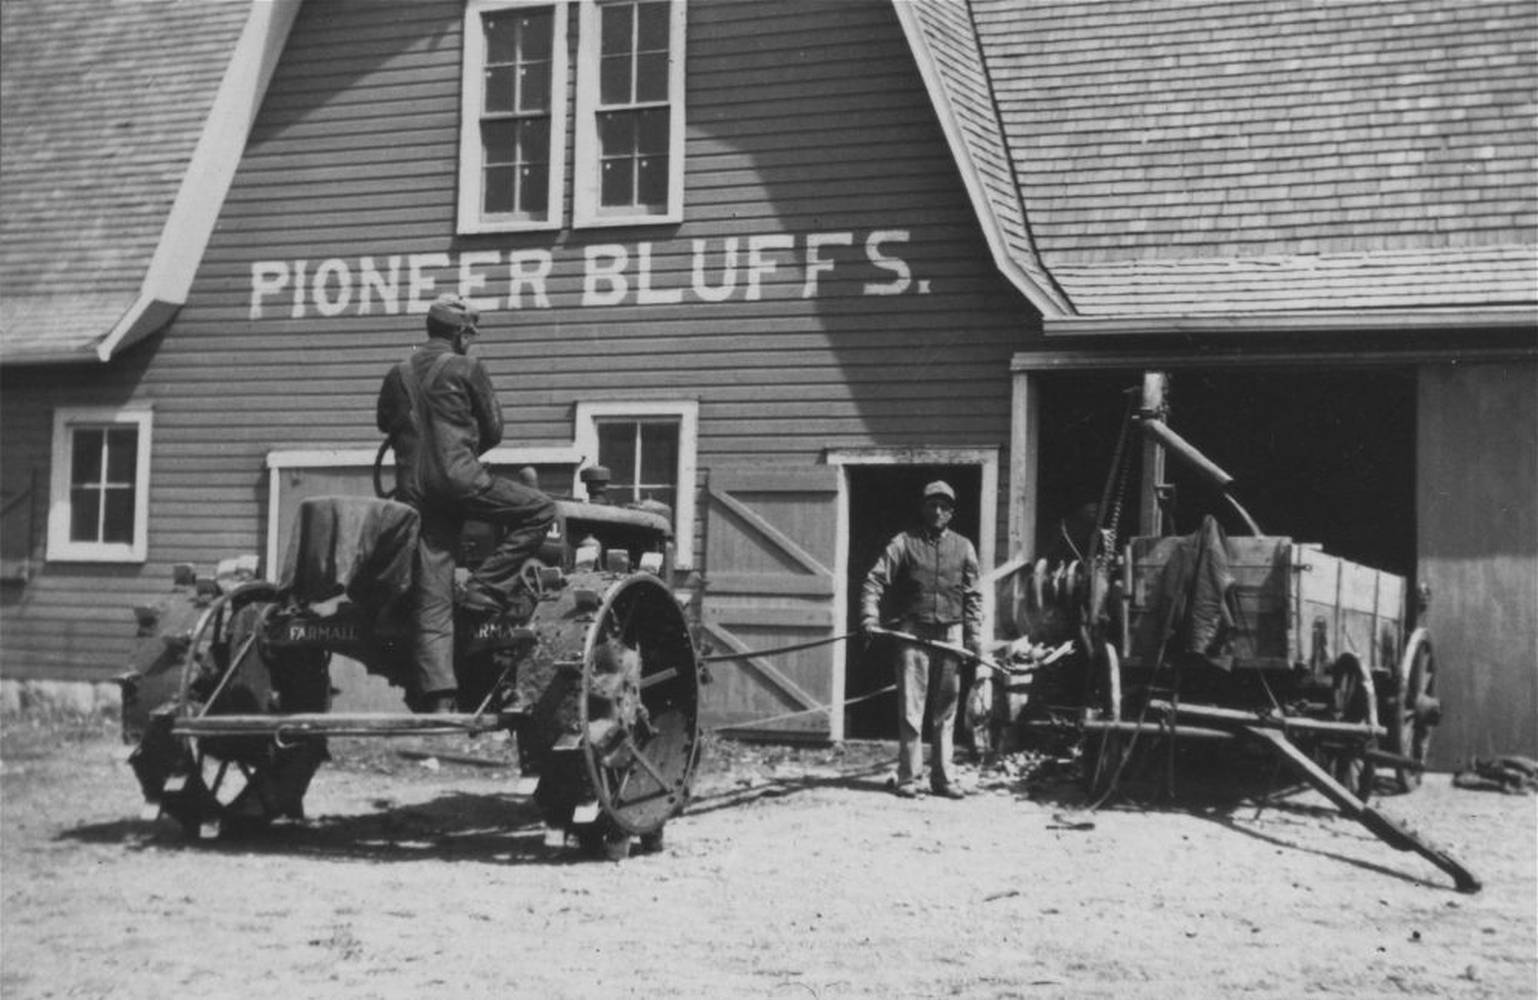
<point x="1489" y="317"/>
<point x="1039" y="291"/>
<point x="199" y="198"/>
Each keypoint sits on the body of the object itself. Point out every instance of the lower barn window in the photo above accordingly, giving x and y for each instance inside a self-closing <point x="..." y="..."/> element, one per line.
<point x="642" y="458"/>
<point x="649" y="448"/>
<point x="98" y="503"/>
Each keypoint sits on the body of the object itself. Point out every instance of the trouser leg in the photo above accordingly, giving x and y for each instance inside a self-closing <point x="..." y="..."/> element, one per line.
<point x="912" y="683"/>
<point x="945" y="685"/>
<point x="437" y="542"/>
<point x="525" y="515"/>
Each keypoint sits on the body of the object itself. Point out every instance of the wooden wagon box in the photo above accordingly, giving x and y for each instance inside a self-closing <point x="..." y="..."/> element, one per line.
<point x="1298" y="606"/>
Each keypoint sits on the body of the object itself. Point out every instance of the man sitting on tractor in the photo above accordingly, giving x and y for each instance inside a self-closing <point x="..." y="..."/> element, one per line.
<point x="439" y="407"/>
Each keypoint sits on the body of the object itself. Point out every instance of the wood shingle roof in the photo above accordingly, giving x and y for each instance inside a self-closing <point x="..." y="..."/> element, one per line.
<point x="102" y="106"/>
<point x="1272" y="155"/>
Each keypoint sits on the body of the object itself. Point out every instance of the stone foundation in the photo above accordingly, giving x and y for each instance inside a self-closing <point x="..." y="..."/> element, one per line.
<point x="60" y="699"/>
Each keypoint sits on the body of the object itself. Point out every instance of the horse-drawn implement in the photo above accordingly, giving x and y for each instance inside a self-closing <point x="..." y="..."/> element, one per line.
<point x="1249" y="639"/>
<point x="597" y="676"/>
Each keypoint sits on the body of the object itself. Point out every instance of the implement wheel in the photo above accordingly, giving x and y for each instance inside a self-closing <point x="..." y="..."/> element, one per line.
<point x="1417" y="709"/>
<point x="1353" y="701"/>
<point x="1103" y="752"/>
<point x="639" y="712"/>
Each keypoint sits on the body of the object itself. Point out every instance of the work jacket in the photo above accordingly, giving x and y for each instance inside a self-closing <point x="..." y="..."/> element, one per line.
<point x="931" y="578"/>
<point x="440" y="437"/>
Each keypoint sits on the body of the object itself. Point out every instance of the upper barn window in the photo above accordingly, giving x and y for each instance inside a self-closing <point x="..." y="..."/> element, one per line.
<point x="513" y="120"/>
<point x="630" y="113"/>
<point x="98" y="505"/>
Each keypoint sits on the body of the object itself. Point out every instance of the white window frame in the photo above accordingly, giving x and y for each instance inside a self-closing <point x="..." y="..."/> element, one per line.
<point x="60" y="547"/>
<point x="471" y="218"/>
<point x="586" y="210"/>
<point x="687" y="413"/>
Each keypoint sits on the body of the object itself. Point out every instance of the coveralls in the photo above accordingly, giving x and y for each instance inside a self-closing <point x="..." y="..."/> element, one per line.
<point x="932" y="578"/>
<point x="438" y="444"/>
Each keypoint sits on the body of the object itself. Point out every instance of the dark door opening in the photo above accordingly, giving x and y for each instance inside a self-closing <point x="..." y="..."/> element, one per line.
<point x="1319" y="456"/>
<point x="883" y="500"/>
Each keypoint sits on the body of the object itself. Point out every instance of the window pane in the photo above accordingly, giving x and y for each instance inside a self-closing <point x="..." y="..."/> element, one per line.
<point x="122" y="454"/>
<point x="651" y="77"/>
<point x="616" y="449"/>
<point x="534" y="140"/>
<point x="499" y="189"/>
<point x="662" y="494"/>
<point x="616" y="134"/>
<point x="659" y="453"/>
<point x="652" y="31"/>
<point x="652" y="131"/>
<point x="614" y="79"/>
<point x="119" y="525"/>
<point x="617" y="182"/>
<point x="534" y="87"/>
<point x="85" y="457"/>
<point x="500" y="82"/>
<point x="501" y="38"/>
<point x="536" y="29"/>
<point x="499" y="141"/>
<point x="616" y="29"/>
<point x="652" y="180"/>
<point x="84" y="510"/>
<point x="534" y="189"/>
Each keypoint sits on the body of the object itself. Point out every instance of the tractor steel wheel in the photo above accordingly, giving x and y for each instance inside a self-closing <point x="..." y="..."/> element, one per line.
<point x="227" y="785"/>
<point x="639" y="711"/>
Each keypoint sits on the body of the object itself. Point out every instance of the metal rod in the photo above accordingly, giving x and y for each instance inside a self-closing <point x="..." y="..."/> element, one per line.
<point x="1149" y="728"/>
<point x="1390" y="831"/>
<point x="1204" y="466"/>
<point x="343" y="724"/>
<point x="1234" y="716"/>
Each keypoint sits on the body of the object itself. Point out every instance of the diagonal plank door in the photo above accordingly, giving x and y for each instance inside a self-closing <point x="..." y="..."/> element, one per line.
<point x="771" y="541"/>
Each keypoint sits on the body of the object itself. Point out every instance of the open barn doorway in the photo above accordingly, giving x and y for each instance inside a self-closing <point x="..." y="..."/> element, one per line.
<point x="883" y="500"/>
<point x="1316" y="455"/>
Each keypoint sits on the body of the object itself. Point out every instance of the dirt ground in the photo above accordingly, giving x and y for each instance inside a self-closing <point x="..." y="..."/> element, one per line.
<point x="794" y="874"/>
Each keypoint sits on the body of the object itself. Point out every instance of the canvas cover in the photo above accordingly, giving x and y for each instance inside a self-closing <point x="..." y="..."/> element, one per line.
<point x="357" y="547"/>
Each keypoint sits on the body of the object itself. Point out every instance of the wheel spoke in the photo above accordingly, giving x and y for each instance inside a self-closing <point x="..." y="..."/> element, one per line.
<point x="646" y="763"/>
<point x="651" y="680"/>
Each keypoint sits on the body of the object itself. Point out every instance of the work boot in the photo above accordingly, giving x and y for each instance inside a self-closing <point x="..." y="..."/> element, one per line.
<point x="905" y="791"/>
<point x="436" y="703"/>
<point x="949" y="792"/>
<point x="477" y="603"/>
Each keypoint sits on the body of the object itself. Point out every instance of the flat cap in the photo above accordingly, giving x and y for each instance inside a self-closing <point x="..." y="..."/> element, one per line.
<point x="940" y="488"/>
<point x="453" y="311"/>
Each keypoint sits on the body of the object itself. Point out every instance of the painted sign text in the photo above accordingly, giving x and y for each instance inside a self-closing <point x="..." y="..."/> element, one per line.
<point x="611" y="274"/>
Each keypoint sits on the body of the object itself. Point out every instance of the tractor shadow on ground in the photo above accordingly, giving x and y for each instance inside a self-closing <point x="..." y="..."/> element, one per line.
<point x="485" y="828"/>
<point x="455" y="826"/>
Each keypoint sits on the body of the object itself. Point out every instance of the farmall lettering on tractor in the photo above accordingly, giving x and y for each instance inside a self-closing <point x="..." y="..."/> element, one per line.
<point x="229" y="695"/>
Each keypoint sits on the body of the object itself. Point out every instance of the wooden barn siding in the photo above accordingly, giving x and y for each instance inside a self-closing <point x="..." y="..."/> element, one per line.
<point x="802" y="118"/>
<point x="1478" y="550"/>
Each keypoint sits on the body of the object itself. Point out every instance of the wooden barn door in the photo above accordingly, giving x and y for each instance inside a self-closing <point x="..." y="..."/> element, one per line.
<point x="771" y="545"/>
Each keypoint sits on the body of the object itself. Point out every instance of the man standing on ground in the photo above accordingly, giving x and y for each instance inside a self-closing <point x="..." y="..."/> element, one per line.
<point x="440" y="409"/>
<point x="931" y="575"/>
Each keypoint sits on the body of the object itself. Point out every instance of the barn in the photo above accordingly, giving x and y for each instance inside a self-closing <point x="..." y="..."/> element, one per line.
<point x="776" y="264"/>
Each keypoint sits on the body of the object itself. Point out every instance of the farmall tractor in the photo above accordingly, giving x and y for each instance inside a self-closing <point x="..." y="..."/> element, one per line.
<point x="596" y="675"/>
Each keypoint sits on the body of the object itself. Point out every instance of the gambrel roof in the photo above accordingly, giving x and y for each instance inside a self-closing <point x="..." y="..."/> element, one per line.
<point x="122" y="125"/>
<point x="1274" y="156"/>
